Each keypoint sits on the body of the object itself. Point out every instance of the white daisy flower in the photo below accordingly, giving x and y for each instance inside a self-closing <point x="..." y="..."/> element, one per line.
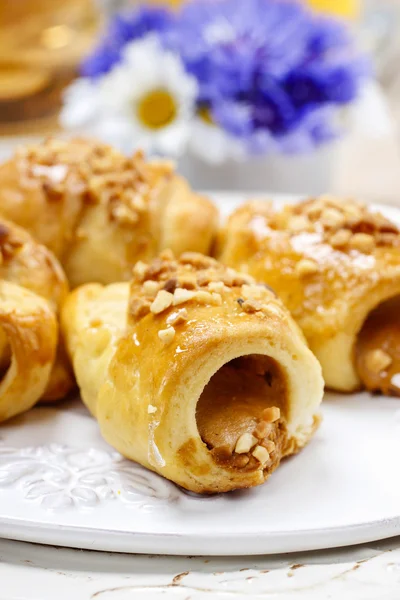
<point x="146" y="101"/>
<point x="211" y="143"/>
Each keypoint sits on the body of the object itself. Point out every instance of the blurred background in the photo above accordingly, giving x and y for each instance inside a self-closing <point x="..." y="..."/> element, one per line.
<point x="42" y="43"/>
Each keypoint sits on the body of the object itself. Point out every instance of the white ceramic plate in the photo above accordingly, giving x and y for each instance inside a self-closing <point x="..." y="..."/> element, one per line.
<point x="61" y="484"/>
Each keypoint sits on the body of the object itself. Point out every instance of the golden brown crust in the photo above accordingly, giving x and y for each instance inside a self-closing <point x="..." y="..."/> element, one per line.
<point x="331" y="261"/>
<point x="99" y="211"/>
<point x="30" y="328"/>
<point x="145" y="354"/>
<point x="28" y="265"/>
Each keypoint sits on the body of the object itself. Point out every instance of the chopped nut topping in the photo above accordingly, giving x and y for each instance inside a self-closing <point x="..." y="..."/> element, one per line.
<point x="139" y="270"/>
<point x="331" y="217"/>
<point x="197" y="260"/>
<point x="171" y="285"/>
<point x="178" y="317"/>
<point x="363" y="242"/>
<point x="245" y="443"/>
<point x="217" y="299"/>
<point x="139" y="307"/>
<point x="139" y="204"/>
<point x="123" y="214"/>
<point x="388" y="239"/>
<point x="188" y="282"/>
<point x="182" y="295"/>
<point x="306" y="267"/>
<point x="251" y="306"/>
<point x="217" y="286"/>
<point x="162" y="301"/>
<point x="166" y="335"/>
<point x="167" y="255"/>
<point x="151" y="288"/>
<point x="204" y="297"/>
<point x="203" y="278"/>
<point x="151" y="409"/>
<point x="298" y="223"/>
<point x="340" y="238"/>
<point x="262" y="429"/>
<point x="271" y="414"/>
<point x="241" y="461"/>
<point x="378" y="360"/>
<point x="261" y="454"/>
<point x="269" y="445"/>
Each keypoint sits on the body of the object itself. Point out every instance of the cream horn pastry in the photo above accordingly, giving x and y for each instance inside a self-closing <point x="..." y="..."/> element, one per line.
<point x="336" y="266"/>
<point x="194" y="371"/>
<point x="32" y="287"/>
<point x="100" y="212"/>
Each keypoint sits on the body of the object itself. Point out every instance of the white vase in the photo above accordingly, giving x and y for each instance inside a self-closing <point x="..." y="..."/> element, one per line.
<point x="300" y="174"/>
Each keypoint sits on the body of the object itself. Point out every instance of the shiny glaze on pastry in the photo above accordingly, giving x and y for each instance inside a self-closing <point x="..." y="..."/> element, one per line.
<point x="331" y="261"/>
<point x="194" y="371"/>
<point x="100" y="212"/>
<point x="32" y="287"/>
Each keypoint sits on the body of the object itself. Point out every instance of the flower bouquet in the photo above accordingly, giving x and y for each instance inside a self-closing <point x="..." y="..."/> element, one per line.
<point x="233" y="88"/>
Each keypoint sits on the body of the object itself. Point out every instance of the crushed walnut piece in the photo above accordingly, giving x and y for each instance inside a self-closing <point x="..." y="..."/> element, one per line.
<point x="167" y="282"/>
<point x="162" y="301"/>
<point x="182" y="295"/>
<point x="140" y="270"/>
<point x="269" y="445"/>
<point x="97" y="173"/>
<point x="343" y="223"/>
<point x="151" y="288"/>
<point x="139" y="307"/>
<point x="252" y="306"/>
<point x="363" y="242"/>
<point x="261" y="454"/>
<point x="271" y="414"/>
<point x="340" y="238"/>
<point x="178" y="317"/>
<point x="245" y="443"/>
<point x="166" y="335"/>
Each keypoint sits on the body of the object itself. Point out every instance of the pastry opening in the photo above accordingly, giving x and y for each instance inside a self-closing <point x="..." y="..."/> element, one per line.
<point x="241" y="414"/>
<point x="377" y="350"/>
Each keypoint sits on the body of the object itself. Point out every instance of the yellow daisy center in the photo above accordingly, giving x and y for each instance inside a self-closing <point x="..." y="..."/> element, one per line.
<point x="157" y="109"/>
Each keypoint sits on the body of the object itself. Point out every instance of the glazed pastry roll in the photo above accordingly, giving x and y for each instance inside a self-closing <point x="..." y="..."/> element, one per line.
<point x="194" y="371"/>
<point x="336" y="266"/>
<point x="100" y="212"/>
<point x="32" y="287"/>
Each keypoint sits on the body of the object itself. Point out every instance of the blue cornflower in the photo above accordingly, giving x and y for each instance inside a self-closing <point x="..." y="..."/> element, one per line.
<point x="123" y="28"/>
<point x="265" y="66"/>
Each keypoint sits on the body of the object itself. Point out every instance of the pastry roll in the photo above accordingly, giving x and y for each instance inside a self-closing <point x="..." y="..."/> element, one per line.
<point x="32" y="287"/>
<point x="194" y="371"/>
<point x="336" y="266"/>
<point x="100" y="212"/>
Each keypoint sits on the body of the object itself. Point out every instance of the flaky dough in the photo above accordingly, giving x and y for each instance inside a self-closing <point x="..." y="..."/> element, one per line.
<point x="331" y="261"/>
<point x="32" y="287"/>
<point x="100" y="212"/>
<point x="194" y="371"/>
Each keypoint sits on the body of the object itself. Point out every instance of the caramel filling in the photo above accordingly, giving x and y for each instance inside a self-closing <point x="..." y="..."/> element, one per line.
<point x="240" y="414"/>
<point x="377" y="351"/>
